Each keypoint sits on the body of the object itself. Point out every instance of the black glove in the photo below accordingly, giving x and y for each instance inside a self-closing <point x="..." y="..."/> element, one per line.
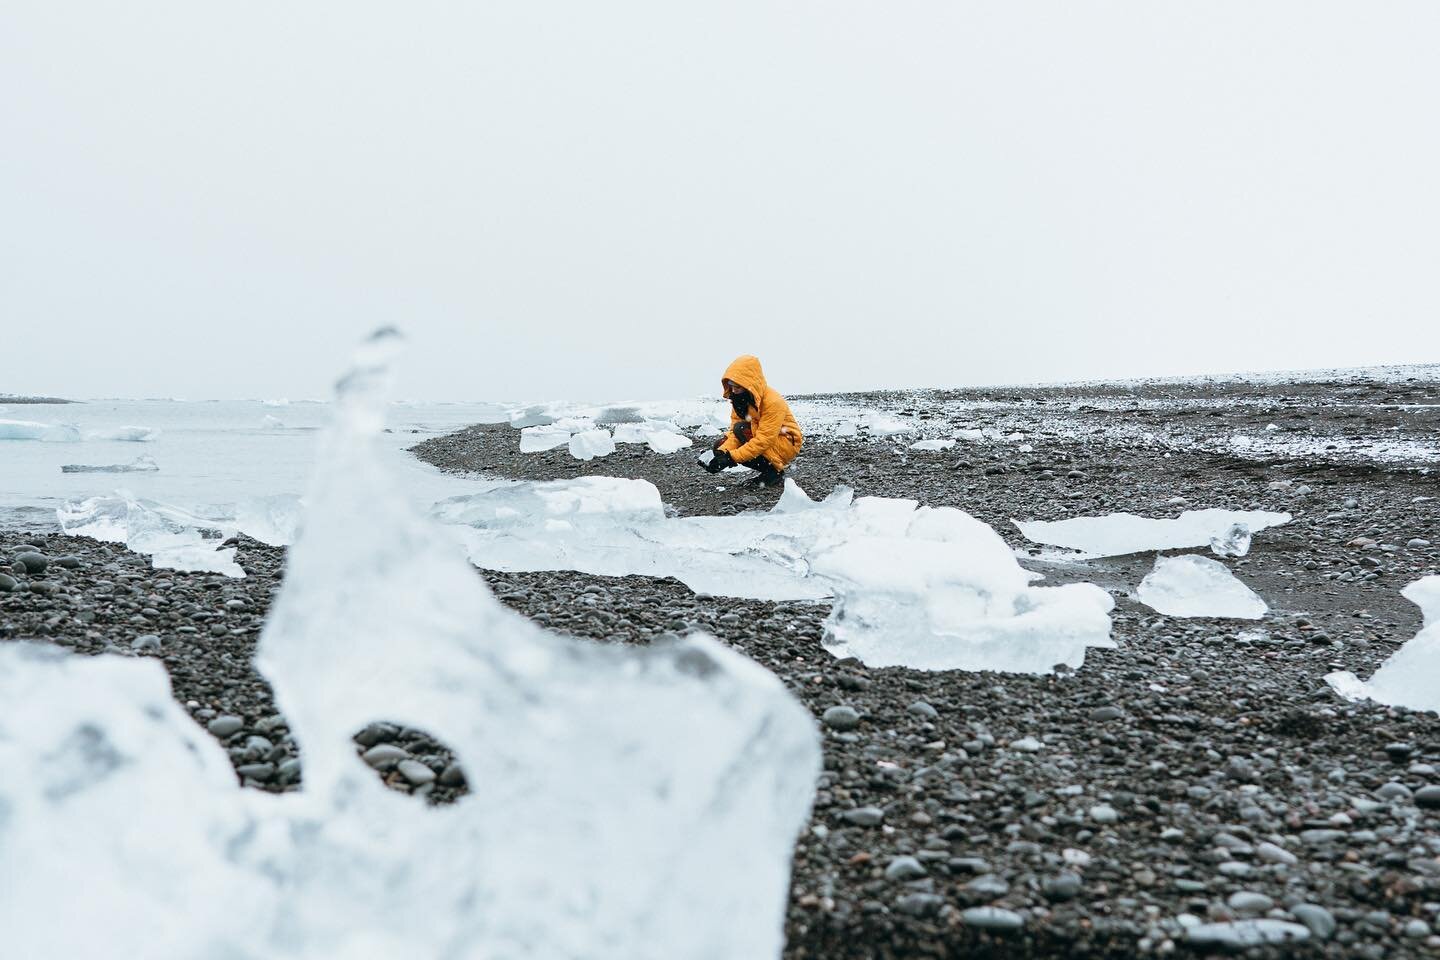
<point x="720" y="461"/>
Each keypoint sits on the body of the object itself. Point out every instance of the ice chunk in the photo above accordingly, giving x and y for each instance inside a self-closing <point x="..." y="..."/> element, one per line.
<point x="268" y="422"/>
<point x="933" y="445"/>
<point x="590" y="444"/>
<point x="1409" y="677"/>
<point x="667" y="442"/>
<point x="174" y="539"/>
<point x="544" y="437"/>
<point x="631" y="433"/>
<point x="584" y="500"/>
<point x="933" y="589"/>
<point x="885" y="425"/>
<point x="274" y="520"/>
<point x="127" y="434"/>
<point x="613" y="416"/>
<point x="1195" y="586"/>
<point x="1234" y="542"/>
<point x="531" y="417"/>
<point x="138" y="465"/>
<point x="1117" y="534"/>
<point x="598" y="832"/>
<point x="29" y="430"/>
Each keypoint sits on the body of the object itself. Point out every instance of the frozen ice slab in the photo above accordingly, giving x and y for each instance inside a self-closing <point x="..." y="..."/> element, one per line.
<point x="138" y="465"/>
<point x="589" y="444"/>
<point x="1411" y="676"/>
<point x="530" y="417"/>
<point x="666" y="442"/>
<point x="127" y="434"/>
<point x="29" y="430"/>
<point x="544" y="437"/>
<point x="1117" y="534"/>
<point x="173" y="539"/>
<point x="928" y="588"/>
<point x="594" y="830"/>
<point x="1195" y="586"/>
<point x="932" y="445"/>
<point x="885" y="425"/>
<point x="631" y="433"/>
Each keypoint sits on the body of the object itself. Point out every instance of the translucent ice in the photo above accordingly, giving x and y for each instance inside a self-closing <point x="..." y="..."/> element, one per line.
<point x="29" y="430"/>
<point x="173" y="539"/>
<point x="1234" y="542"/>
<point x="667" y="442"/>
<point x="929" y="588"/>
<point x="543" y="437"/>
<point x="531" y="417"/>
<point x="128" y="434"/>
<point x="138" y="465"/>
<point x="885" y="425"/>
<point x="589" y="444"/>
<point x="1195" y="586"/>
<point x="1411" y="676"/>
<point x="932" y="445"/>
<point x="629" y="801"/>
<point x="1117" y="534"/>
<point x="631" y="433"/>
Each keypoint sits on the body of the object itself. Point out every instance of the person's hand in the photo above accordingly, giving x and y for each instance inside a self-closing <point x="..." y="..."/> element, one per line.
<point x="721" y="460"/>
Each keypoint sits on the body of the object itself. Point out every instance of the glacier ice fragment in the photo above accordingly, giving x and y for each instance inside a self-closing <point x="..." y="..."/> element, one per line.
<point x="589" y="444"/>
<point x="1196" y="586"/>
<point x="932" y="445"/>
<point x="140" y="464"/>
<point x="1410" y="677"/>
<point x="663" y="441"/>
<point x="30" y="430"/>
<point x="1117" y="534"/>
<point x="543" y="437"/>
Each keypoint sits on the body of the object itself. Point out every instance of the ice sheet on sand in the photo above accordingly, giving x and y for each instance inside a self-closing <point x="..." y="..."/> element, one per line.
<point x="172" y="538"/>
<point x="1117" y="534"/>
<point x="589" y="444"/>
<point x="1195" y="586"/>
<point x="929" y="588"/>
<point x="1411" y="676"/>
<point x="29" y="430"/>
<point x="932" y="445"/>
<point x="140" y="464"/>
<point x="543" y="437"/>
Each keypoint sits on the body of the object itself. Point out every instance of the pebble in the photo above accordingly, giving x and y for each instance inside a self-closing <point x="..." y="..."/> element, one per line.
<point x="841" y="718"/>
<point x="904" y="868"/>
<point x="415" y="771"/>
<point x="452" y="776"/>
<point x="1026" y="745"/>
<point x="864" y="816"/>
<point x="384" y="753"/>
<point x="146" y="641"/>
<point x="1062" y="886"/>
<point x="1317" y="919"/>
<point x="992" y="918"/>
<point x="32" y="562"/>
<point x="1428" y="797"/>
<point x="224" y="726"/>
<point x="1418" y="543"/>
<point x="256" y="771"/>
<point x="919" y="904"/>
<point x="1393" y="791"/>
<point x="1103" y="813"/>
<point x="1417" y="929"/>
<point x="1105" y="714"/>
<point x="922" y="709"/>
<point x="988" y="887"/>
<point x="1239" y="934"/>
<point x="8" y="583"/>
<point x="1248" y="901"/>
<point x="68" y="562"/>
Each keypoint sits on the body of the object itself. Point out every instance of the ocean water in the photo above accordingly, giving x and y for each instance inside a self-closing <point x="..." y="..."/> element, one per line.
<point x="212" y="457"/>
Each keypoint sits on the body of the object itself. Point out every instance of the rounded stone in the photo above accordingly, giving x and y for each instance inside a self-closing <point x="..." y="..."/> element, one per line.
<point x="1103" y="714"/>
<point x="922" y="709"/>
<point x="225" y="726"/>
<point x="841" y="718"/>
<point x="416" y="772"/>
<point x="1428" y="797"/>
<point x="32" y="562"/>
<point x="146" y="641"/>
<point x="8" y="583"/>
<point x="904" y="868"/>
<point x="992" y="918"/>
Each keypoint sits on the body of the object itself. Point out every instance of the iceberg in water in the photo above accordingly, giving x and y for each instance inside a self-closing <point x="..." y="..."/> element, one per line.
<point x="30" y="430"/>
<point x="1411" y="676"/>
<point x="125" y="434"/>
<point x="1117" y="534"/>
<point x="931" y="588"/>
<point x="138" y="465"/>
<point x="594" y="831"/>
<point x="1195" y="586"/>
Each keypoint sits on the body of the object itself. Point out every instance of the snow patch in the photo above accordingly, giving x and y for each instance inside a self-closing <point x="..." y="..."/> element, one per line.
<point x="1195" y="586"/>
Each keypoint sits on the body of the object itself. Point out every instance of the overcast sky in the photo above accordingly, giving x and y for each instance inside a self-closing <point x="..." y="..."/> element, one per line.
<point x="612" y="199"/>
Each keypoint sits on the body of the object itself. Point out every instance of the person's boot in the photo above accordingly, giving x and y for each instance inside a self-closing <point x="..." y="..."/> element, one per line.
<point x="766" y="474"/>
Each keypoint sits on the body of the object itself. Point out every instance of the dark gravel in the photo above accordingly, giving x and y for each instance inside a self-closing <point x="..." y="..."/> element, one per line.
<point x="1193" y="771"/>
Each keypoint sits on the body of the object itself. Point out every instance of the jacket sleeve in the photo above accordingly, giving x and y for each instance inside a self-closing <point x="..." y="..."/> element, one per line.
<point x="772" y="418"/>
<point x="730" y="443"/>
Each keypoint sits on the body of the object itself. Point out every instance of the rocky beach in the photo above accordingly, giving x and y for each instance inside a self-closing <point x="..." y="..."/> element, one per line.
<point x="1198" y="789"/>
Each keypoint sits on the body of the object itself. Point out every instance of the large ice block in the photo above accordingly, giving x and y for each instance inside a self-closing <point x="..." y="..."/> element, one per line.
<point x="1195" y="586"/>
<point x="590" y="444"/>
<point x="1117" y="534"/>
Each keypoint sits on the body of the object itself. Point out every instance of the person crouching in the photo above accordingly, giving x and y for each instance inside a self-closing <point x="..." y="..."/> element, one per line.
<point x="763" y="434"/>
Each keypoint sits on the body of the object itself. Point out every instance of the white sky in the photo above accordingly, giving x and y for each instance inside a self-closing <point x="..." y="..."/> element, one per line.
<point x="571" y="198"/>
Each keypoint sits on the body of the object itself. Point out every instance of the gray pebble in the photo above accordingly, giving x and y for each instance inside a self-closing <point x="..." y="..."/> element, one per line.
<point x="256" y="771"/>
<point x="1428" y="797"/>
<point x="1315" y="917"/>
<point x="1063" y="886"/>
<point x="1248" y="901"/>
<point x="146" y="641"/>
<point x="904" y="868"/>
<point x="841" y="718"/>
<point x="864" y="816"/>
<point x="992" y="918"/>
<point x="1272" y="853"/>
<point x="922" y="709"/>
<point x="1240" y="934"/>
<point x="224" y="726"/>
<point x="32" y="562"/>
<point x="919" y="904"/>
<point x="416" y="772"/>
<point x="1103" y="714"/>
<point x="8" y="583"/>
<point x="383" y="754"/>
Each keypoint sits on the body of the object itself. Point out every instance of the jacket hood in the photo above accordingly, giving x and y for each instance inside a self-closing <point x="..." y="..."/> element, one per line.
<point x="746" y="372"/>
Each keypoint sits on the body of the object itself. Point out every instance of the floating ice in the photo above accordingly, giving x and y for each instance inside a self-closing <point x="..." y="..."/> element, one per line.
<point x="127" y="434"/>
<point x="268" y="422"/>
<point x="594" y="832"/>
<point x="1195" y="586"/>
<point x="1411" y="676"/>
<point x="933" y="445"/>
<point x="589" y="444"/>
<point x="929" y="588"/>
<point x="666" y="442"/>
<point x="1117" y="534"/>
<point x="543" y="437"/>
<point x="140" y="464"/>
<point x="29" y="430"/>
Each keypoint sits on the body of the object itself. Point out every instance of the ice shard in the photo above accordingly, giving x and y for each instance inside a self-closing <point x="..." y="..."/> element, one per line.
<point x="1411" y="676"/>
<point x="1117" y="534"/>
<point x="1195" y="586"/>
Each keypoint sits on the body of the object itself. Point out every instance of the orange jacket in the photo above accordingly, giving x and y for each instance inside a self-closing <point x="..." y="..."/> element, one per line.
<point x="774" y="433"/>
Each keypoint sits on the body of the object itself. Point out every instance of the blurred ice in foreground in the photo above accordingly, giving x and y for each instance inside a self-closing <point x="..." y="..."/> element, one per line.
<point x="1411" y="676"/>
<point x="629" y="802"/>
